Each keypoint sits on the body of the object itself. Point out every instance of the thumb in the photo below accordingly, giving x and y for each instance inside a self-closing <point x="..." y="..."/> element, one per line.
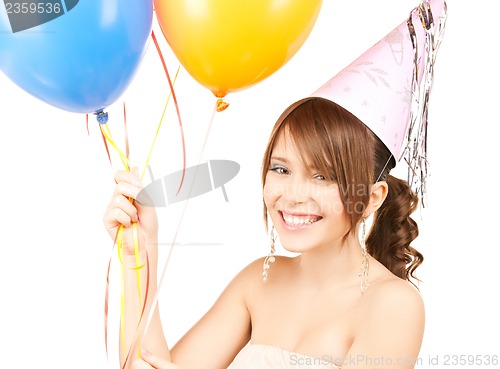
<point x="156" y="361"/>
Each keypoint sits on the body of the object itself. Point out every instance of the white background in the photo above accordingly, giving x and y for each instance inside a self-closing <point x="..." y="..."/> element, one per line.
<point x="56" y="181"/>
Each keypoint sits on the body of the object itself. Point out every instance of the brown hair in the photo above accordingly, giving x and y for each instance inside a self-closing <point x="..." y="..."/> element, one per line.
<point x="344" y="150"/>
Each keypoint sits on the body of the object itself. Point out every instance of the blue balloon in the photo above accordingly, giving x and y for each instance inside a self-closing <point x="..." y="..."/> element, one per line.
<point x="77" y="55"/>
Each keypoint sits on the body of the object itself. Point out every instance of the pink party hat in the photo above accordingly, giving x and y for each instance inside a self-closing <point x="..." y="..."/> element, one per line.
<point x="388" y="87"/>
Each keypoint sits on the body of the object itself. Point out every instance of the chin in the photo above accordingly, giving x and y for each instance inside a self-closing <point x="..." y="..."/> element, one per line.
<point x="296" y="246"/>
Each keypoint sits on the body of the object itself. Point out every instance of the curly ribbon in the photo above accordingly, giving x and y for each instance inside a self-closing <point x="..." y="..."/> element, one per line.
<point x="140" y="316"/>
<point x="172" y="92"/>
<point x="102" y="118"/>
<point x="220" y="106"/>
<point x="127" y="148"/>
<point x="119" y="242"/>
<point x="422" y="80"/>
<point x="119" y="238"/>
<point x="158" y="131"/>
<point x="161" y="279"/>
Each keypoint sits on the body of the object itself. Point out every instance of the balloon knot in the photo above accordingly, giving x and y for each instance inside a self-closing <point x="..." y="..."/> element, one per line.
<point x="221" y="105"/>
<point x="102" y="117"/>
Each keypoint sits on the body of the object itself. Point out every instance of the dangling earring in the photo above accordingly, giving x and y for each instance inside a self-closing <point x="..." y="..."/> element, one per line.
<point x="270" y="258"/>
<point x="364" y="265"/>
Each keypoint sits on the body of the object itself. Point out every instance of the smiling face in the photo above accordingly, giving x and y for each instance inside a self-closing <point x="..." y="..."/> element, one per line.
<point x="317" y="173"/>
<point x="304" y="204"/>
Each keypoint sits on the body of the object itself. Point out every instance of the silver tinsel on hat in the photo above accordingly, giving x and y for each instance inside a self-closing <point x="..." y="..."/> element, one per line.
<point x="415" y="151"/>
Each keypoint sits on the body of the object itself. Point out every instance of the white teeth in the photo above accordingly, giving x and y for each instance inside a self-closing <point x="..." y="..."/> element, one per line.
<point x="298" y="220"/>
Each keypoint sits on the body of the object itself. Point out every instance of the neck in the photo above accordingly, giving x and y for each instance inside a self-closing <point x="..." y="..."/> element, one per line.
<point x="338" y="265"/>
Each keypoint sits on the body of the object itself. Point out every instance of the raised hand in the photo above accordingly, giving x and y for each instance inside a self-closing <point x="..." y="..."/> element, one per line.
<point x="123" y="210"/>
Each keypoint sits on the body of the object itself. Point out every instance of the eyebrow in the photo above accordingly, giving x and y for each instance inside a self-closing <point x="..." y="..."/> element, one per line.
<point x="279" y="158"/>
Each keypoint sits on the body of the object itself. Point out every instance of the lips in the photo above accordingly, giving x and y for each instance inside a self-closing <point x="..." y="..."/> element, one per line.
<point x="299" y="220"/>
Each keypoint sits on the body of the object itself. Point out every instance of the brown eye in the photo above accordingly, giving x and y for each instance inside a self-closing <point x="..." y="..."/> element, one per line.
<point x="279" y="169"/>
<point x="320" y="177"/>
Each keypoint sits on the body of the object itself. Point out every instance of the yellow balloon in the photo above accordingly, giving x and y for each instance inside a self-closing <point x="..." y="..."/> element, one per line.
<point x="229" y="45"/>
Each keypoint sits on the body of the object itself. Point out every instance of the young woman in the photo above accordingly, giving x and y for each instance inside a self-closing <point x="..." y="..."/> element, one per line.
<point x="324" y="172"/>
<point x="344" y="301"/>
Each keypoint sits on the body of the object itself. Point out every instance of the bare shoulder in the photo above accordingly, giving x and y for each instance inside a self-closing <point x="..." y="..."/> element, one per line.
<point x="252" y="273"/>
<point x="397" y="291"/>
<point x="395" y="297"/>
<point x="394" y="306"/>
<point x="390" y="321"/>
<point x="249" y="284"/>
<point x="388" y="293"/>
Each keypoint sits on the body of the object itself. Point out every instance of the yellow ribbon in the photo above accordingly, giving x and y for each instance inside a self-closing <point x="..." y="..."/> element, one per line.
<point x="106" y="132"/>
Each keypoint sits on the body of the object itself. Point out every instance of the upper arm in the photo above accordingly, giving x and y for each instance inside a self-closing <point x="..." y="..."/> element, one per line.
<point x="214" y="341"/>
<point x="390" y="333"/>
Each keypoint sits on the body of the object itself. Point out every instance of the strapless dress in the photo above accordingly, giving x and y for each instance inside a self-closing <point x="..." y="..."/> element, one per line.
<point x="257" y="356"/>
